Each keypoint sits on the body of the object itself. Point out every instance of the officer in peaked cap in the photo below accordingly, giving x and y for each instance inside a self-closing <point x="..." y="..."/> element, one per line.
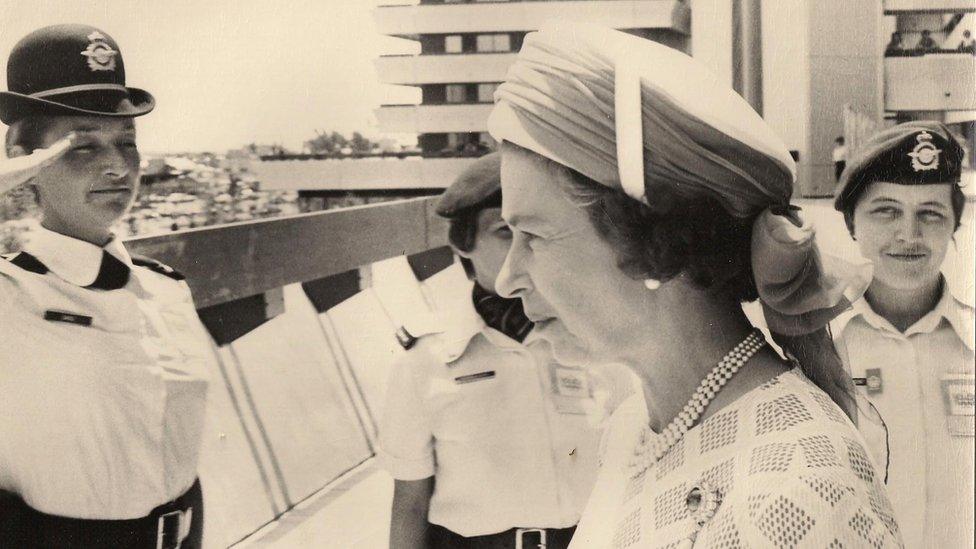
<point x="909" y="342"/>
<point x="103" y="399"/>
<point x="515" y="451"/>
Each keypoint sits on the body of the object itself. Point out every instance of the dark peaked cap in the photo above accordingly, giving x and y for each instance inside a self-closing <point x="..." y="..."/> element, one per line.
<point x="69" y="70"/>
<point x="474" y="187"/>
<point x="913" y="153"/>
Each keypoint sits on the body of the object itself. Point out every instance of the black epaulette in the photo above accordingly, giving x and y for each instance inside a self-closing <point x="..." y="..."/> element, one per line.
<point x="26" y="262"/>
<point x="156" y="266"/>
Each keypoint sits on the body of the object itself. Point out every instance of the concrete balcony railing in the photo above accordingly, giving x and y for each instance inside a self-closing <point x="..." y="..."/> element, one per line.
<point x="359" y="175"/>
<point x="414" y="20"/>
<point x="442" y="118"/>
<point x="443" y="69"/>
<point x="302" y="312"/>
<point x="934" y="82"/>
<point x="894" y="7"/>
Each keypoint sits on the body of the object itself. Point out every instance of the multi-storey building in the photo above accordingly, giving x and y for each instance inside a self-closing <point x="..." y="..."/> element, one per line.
<point x="806" y="65"/>
<point x="467" y="46"/>
<point x="930" y="63"/>
<point x="465" y="50"/>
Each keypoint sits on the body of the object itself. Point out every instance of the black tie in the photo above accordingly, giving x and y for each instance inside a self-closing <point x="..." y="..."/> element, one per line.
<point x="502" y="314"/>
<point x="112" y="273"/>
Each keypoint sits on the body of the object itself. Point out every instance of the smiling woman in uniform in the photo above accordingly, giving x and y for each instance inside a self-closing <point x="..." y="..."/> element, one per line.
<point x="103" y="400"/>
<point x="909" y="343"/>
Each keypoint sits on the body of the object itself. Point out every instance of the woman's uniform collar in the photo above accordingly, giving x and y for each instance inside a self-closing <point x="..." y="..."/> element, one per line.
<point x="73" y="260"/>
<point x="454" y="328"/>
<point x="958" y="314"/>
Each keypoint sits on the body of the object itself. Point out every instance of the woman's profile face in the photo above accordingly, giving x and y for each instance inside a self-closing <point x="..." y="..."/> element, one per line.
<point x="564" y="272"/>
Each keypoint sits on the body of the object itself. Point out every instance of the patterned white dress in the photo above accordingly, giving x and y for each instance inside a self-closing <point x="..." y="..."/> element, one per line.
<point x="790" y="469"/>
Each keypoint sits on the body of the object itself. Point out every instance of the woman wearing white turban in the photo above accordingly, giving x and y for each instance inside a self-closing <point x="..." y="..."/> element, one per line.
<point x="647" y="202"/>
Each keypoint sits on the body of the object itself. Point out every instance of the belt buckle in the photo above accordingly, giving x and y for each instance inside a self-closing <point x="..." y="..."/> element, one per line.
<point x="169" y="529"/>
<point x="519" y="532"/>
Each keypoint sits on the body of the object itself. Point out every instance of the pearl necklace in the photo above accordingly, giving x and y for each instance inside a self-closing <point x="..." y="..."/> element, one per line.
<point x="652" y="446"/>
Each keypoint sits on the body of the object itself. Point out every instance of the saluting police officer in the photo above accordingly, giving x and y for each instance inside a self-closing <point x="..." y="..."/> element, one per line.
<point x="102" y="384"/>
<point x="909" y="342"/>
<point x="488" y="438"/>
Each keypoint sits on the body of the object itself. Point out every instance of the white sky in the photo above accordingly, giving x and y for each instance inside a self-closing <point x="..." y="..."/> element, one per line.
<point x="229" y="72"/>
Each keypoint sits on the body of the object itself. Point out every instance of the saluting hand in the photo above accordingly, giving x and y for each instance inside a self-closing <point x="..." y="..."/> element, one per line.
<point x="21" y="169"/>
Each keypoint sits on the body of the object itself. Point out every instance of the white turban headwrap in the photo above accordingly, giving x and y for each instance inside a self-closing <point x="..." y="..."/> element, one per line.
<point x="635" y="115"/>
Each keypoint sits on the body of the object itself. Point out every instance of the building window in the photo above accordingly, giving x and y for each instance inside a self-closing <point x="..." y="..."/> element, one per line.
<point x="486" y="140"/>
<point x="456" y="93"/>
<point x="455" y="140"/>
<point x="453" y="43"/>
<point x="486" y="93"/>
<point x="493" y="42"/>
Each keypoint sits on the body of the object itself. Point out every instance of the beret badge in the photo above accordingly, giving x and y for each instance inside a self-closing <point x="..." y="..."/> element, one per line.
<point x="925" y="156"/>
<point x="101" y="56"/>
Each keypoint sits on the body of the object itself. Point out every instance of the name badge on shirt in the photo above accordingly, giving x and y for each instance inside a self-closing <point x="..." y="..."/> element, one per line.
<point x="570" y="388"/>
<point x="871" y="381"/>
<point x="959" y="397"/>
<point x="470" y="378"/>
<point x="70" y="318"/>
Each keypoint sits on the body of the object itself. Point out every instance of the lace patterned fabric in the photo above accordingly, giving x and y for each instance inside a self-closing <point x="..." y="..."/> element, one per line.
<point x="790" y="469"/>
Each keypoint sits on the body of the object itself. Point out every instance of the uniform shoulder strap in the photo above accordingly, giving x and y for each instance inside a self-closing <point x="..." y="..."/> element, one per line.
<point x="157" y="266"/>
<point x="26" y="262"/>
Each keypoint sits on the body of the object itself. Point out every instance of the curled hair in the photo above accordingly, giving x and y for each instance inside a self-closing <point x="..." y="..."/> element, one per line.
<point x="696" y="237"/>
<point x="678" y="235"/>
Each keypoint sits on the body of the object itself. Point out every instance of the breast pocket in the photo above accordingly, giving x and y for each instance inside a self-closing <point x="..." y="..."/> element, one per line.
<point x="466" y="405"/>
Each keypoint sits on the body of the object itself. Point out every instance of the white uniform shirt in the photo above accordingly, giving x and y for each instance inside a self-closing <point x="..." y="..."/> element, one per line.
<point x="921" y="383"/>
<point x="101" y="420"/>
<point x="509" y="447"/>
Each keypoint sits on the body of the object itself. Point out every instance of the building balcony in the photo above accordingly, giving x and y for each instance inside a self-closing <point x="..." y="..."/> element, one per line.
<point x="414" y="20"/>
<point x="440" y="118"/>
<point x="359" y="175"/>
<point x="443" y="68"/>
<point x="933" y="82"/>
<point x="895" y="7"/>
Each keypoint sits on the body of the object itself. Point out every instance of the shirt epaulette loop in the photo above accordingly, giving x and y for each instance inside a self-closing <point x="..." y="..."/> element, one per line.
<point x="26" y="262"/>
<point x="157" y="267"/>
<point x="417" y="326"/>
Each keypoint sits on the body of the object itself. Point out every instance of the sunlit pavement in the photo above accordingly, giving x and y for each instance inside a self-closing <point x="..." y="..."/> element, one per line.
<point x="354" y="512"/>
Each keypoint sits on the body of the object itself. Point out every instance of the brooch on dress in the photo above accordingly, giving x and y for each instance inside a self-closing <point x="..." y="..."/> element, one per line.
<point x="702" y="501"/>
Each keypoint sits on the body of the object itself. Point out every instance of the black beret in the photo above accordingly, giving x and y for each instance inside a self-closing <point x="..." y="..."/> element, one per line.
<point x="479" y="185"/>
<point x="913" y="153"/>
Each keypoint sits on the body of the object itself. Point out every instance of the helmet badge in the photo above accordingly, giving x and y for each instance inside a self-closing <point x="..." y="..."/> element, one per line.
<point x="925" y="156"/>
<point x="101" y="56"/>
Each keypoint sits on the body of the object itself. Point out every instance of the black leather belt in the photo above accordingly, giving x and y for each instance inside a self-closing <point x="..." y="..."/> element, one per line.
<point x="516" y="538"/>
<point x="174" y="525"/>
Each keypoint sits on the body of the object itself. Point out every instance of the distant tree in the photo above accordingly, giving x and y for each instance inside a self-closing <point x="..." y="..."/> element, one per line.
<point x="339" y="140"/>
<point x="335" y="142"/>
<point x="360" y="144"/>
<point x="322" y="143"/>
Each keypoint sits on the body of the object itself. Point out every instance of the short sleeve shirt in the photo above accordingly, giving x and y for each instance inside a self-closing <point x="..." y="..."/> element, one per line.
<point x="103" y="391"/>
<point x="915" y="405"/>
<point x="508" y="434"/>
